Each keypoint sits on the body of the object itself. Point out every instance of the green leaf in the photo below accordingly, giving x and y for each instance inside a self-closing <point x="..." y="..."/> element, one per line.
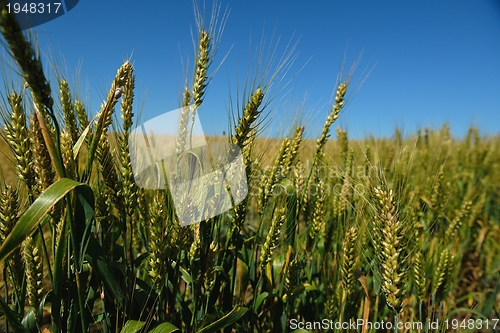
<point x="35" y="213"/>
<point x="225" y="321"/>
<point x="138" y="261"/>
<point x="95" y="256"/>
<point x="259" y="301"/>
<point x="277" y="265"/>
<point x="12" y="317"/>
<point x="132" y="326"/>
<point x="184" y="274"/>
<point x="29" y="320"/>
<point x="45" y="298"/>
<point x="81" y="139"/>
<point x="84" y="213"/>
<point x="99" y="129"/>
<point x="164" y="328"/>
<point x="242" y="277"/>
<point x="291" y="212"/>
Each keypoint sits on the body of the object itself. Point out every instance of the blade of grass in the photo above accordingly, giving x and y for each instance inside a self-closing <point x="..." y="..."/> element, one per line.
<point x="225" y="321"/>
<point x="35" y="213"/>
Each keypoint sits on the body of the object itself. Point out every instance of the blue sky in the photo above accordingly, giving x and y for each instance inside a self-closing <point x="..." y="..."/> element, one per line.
<point x="429" y="62"/>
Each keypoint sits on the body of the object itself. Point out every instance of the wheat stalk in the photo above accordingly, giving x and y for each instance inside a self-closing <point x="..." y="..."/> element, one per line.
<point x="343" y="142"/>
<point x="272" y="238"/>
<point x="83" y="118"/>
<point x="29" y="62"/>
<point x="99" y="144"/>
<point x="202" y="63"/>
<point x="9" y="216"/>
<point x="44" y="173"/>
<point x="17" y="135"/>
<point x="442" y="272"/>
<point x="318" y="225"/>
<point x="292" y="274"/>
<point x="67" y="154"/>
<point x="330" y="119"/>
<point x="243" y="133"/>
<point x="349" y="260"/>
<point x="292" y="150"/>
<point x="347" y="184"/>
<point x="454" y="226"/>
<point x="34" y="272"/>
<point x="183" y="124"/>
<point x="389" y="232"/>
<point x="243" y="137"/>
<point x="157" y="242"/>
<point x="419" y="273"/>
<point x="276" y="173"/>
<point x="69" y="114"/>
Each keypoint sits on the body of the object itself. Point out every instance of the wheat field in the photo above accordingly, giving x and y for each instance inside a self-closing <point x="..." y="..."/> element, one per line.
<point x="392" y="234"/>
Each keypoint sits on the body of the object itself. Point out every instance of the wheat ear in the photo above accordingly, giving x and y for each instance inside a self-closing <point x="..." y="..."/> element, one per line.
<point x="202" y="64"/>
<point x="349" y="260"/>
<point x="9" y="210"/>
<point x="244" y="133"/>
<point x="244" y="138"/>
<point x="390" y="251"/>
<point x="419" y="272"/>
<point x="17" y="135"/>
<point x="68" y="111"/>
<point x="330" y="119"/>
<point x="292" y="149"/>
<point x="157" y="242"/>
<point x="34" y="271"/>
<point x="183" y="123"/>
<point x="29" y="62"/>
<point x="318" y="225"/>
<point x="274" y="176"/>
<point x="442" y="272"/>
<point x="272" y="238"/>
<point x="44" y="173"/>
<point x="454" y="226"/>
